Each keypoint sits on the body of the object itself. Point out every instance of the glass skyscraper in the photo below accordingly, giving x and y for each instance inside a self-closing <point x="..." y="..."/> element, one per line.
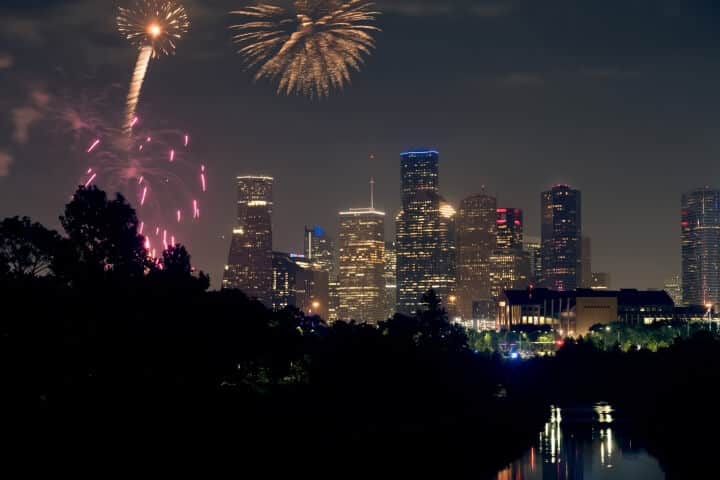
<point x="476" y="240"/>
<point x="701" y="247"/>
<point x="250" y="262"/>
<point x="425" y="233"/>
<point x="361" y="282"/>
<point x="561" y="238"/>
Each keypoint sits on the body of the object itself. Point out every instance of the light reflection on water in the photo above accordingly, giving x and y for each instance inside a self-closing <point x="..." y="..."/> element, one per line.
<point x="583" y="443"/>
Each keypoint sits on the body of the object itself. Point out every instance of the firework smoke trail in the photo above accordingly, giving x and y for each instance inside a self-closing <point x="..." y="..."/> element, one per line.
<point x="154" y="26"/>
<point x="309" y="50"/>
<point x="138" y="78"/>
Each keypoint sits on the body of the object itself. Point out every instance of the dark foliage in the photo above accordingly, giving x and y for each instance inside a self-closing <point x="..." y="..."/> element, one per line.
<point x="99" y="342"/>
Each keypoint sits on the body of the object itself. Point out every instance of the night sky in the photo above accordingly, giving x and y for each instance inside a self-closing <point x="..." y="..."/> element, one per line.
<point x="618" y="98"/>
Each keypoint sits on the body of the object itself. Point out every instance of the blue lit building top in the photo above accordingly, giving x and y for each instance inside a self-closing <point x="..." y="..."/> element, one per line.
<point x="419" y="153"/>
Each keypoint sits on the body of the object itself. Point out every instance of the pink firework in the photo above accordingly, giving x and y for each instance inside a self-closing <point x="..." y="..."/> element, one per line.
<point x="93" y="146"/>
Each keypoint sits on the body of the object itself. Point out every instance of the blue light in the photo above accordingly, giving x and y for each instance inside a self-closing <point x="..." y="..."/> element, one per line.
<point x="318" y="231"/>
<point x="420" y="152"/>
<point x="514" y="355"/>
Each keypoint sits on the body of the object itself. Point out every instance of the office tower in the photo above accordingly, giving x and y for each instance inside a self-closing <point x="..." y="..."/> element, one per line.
<point x="509" y="264"/>
<point x="586" y="260"/>
<point x="476" y="240"/>
<point x="299" y="283"/>
<point x="509" y="225"/>
<point x="424" y="233"/>
<point x="249" y="265"/>
<point x="320" y="249"/>
<point x="561" y="238"/>
<point x="444" y="281"/>
<point x="390" y="275"/>
<point x="673" y="287"/>
<point x="531" y="246"/>
<point x="701" y="247"/>
<point x="361" y="282"/>
<point x="601" y="281"/>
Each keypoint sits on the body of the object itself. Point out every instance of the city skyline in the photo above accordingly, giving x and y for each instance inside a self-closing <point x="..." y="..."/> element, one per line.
<point x="601" y="116"/>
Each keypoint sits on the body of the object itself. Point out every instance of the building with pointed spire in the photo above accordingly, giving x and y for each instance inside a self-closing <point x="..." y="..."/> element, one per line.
<point x="361" y="253"/>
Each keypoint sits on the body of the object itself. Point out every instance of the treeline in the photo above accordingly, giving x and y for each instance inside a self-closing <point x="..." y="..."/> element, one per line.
<point x="98" y="337"/>
<point x="100" y="341"/>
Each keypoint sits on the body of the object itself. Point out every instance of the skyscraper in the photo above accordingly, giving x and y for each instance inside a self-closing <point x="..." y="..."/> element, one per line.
<point x="509" y="264"/>
<point x="424" y="233"/>
<point x="390" y="274"/>
<point x="531" y="245"/>
<point x="361" y="282"/>
<point x="249" y="265"/>
<point x="586" y="260"/>
<point x="701" y="247"/>
<point x="476" y="240"/>
<point x="320" y="249"/>
<point x="299" y="283"/>
<point x="561" y="238"/>
<point x="509" y="223"/>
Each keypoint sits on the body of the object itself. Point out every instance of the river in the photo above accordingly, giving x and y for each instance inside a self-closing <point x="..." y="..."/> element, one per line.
<point x="583" y="443"/>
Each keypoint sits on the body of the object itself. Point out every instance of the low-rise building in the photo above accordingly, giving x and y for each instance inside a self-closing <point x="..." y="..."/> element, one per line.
<point x="574" y="312"/>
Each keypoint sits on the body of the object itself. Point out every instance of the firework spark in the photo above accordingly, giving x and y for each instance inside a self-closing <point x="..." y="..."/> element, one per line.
<point x="93" y="146"/>
<point x="154" y="26"/>
<point x="310" y="50"/>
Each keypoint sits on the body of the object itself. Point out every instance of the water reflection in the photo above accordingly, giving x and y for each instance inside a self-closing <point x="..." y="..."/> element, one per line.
<point x="582" y="443"/>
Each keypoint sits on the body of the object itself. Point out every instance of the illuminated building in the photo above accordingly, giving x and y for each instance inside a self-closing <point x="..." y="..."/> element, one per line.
<point x="509" y="264"/>
<point x="531" y="246"/>
<point x="673" y="287"/>
<point x="249" y="265"/>
<point x="600" y="281"/>
<point x="361" y="281"/>
<point x="574" y="312"/>
<point x="701" y="247"/>
<point x="561" y="238"/>
<point x="299" y="283"/>
<point x="425" y="234"/>
<point x="319" y="248"/>
<point x="586" y="261"/>
<point x="476" y="240"/>
<point x="509" y="226"/>
<point x="390" y="275"/>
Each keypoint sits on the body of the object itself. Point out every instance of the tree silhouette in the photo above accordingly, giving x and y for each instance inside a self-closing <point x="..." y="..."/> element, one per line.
<point x="103" y="239"/>
<point x="175" y="271"/>
<point x="27" y="249"/>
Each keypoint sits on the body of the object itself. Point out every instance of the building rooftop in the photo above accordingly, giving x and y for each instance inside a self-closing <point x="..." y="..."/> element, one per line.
<point x="624" y="296"/>
<point x="363" y="211"/>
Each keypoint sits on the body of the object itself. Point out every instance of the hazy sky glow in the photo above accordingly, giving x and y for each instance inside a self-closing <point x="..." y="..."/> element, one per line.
<point x="617" y="98"/>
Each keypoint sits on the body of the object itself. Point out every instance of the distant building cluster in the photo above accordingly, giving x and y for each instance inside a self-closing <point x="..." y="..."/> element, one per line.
<point x="475" y="256"/>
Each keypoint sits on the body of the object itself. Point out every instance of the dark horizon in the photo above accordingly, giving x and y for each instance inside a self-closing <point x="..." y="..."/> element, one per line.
<point x="617" y="100"/>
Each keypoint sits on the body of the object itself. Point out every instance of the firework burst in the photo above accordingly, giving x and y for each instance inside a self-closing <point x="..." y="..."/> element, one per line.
<point x="155" y="27"/>
<point x="309" y="50"/>
<point x="166" y="192"/>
